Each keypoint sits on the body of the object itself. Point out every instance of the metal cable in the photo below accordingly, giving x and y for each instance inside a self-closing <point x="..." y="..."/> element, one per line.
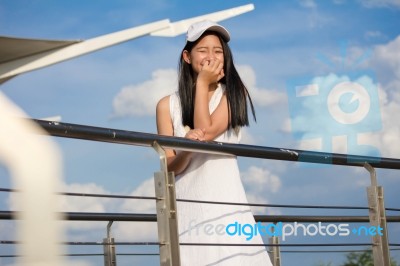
<point x="157" y="254"/>
<point x="94" y="243"/>
<point x="91" y="254"/>
<point x="278" y="245"/>
<point x="89" y="195"/>
<point x="275" y="205"/>
<point x="211" y="202"/>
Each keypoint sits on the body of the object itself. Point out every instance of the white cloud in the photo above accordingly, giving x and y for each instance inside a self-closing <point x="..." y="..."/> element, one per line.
<point x="315" y="18"/>
<point x="286" y="126"/>
<point x="138" y="231"/>
<point x="373" y="34"/>
<point x="247" y="137"/>
<point x="387" y="140"/>
<point x="145" y="189"/>
<point x="259" y="96"/>
<point x="84" y="204"/>
<point x="76" y="204"/>
<point x="141" y="99"/>
<point x="103" y="205"/>
<point x="123" y="231"/>
<point x="321" y="114"/>
<point x="308" y="3"/>
<point x="135" y="231"/>
<point x="259" y="199"/>
<point x="261" y="179"/>
<point x="311" y="121"/>
<point x="386" y="62"/>
<point x="260" y="182"/>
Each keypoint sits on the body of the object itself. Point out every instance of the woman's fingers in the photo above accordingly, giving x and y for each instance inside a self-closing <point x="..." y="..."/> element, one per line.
<point x="198" y="134"/>
<point x="195" y="134"/>
<point x="212" y="69"/>
<point x="216" y="64"/>
<point x="221" y="75"/>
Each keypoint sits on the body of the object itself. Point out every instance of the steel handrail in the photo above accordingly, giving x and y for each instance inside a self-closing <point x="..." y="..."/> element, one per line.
<point x="252" y="151"/>
<point x="145" y="217"/>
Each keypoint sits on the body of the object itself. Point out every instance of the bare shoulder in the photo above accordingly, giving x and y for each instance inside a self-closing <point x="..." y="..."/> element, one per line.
<point x="163" y="117"/>
<point x="163" y="104"/>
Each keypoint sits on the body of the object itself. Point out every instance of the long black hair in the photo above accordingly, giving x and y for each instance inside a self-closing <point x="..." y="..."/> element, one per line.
<point x="236" y="92"/>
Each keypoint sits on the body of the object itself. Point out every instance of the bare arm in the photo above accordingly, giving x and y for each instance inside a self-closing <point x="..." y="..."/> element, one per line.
<point x="216" y="123"/>
<point x="176" y="162"/>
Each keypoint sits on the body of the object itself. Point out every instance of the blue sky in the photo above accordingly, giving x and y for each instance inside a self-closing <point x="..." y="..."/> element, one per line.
<point x="278" y="42"/>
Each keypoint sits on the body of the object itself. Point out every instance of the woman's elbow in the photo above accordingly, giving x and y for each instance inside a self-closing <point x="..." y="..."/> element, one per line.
<point x="178" y="163"/>
<point x="211" y="134"/>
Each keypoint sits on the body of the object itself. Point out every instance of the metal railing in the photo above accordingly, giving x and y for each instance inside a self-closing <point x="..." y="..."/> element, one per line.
<point x="68" y="130"/>
<point x="165" y="194"/>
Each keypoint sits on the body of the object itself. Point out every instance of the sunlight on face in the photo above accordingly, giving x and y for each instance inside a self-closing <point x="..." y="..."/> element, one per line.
<point x="208" y="48"/>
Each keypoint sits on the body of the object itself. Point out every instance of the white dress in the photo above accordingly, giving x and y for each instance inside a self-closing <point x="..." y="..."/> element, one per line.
<point x="213" y="178"/>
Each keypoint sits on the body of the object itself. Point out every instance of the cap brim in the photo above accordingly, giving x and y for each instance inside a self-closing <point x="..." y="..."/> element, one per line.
<point x="216" y="28"/>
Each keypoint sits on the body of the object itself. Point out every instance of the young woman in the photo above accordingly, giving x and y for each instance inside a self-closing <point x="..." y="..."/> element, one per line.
<point x="210" y="104"/>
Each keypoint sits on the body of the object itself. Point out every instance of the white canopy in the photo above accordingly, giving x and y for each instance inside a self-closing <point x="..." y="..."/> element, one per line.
<point x="19" y="55"/>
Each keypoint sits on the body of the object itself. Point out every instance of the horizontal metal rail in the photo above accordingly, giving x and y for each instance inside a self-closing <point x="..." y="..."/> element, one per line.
<point x="101" y="134"/>
<point x="144" y="217"/>
<point x="332" y="251"/>
<point x="90" y="216"/>
<point x="157" y="254"/>
<point x="91" y="254"/>
<point x="315" y="219"/>
<point x="92" y="243"/>
<point x="293" y="206"/>
<point x="278" y="245"/>
<point x="300" y="245"/>
<point x="81" y="243"/>
<point x="151" y="140"/>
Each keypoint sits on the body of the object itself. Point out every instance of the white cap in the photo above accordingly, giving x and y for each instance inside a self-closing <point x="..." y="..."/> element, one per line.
<point x="197" y="29"/>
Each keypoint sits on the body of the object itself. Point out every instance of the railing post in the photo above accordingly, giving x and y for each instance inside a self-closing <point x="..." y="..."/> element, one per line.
<point x="110" y="258"/>
<point x="275" y="250"/>
<point x="377" y="218"/>
<point x="164" y="183"/>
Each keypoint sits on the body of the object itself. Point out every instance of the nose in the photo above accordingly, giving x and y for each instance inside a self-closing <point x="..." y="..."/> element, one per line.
<point x="211" y="56"/>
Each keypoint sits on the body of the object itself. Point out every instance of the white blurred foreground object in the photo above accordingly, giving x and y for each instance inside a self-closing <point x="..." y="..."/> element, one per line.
<point x="34" y="163"/>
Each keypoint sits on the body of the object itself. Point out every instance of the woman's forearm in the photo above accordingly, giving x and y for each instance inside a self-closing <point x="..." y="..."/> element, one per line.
<point x="179" y="162"/>
<point x="202" y="117"/>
